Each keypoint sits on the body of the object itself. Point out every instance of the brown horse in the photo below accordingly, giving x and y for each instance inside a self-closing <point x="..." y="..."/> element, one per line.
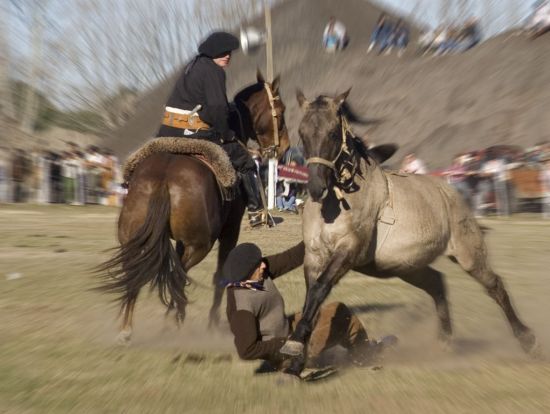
<point x="173" y="196"/>
<point x="360" y="217"/>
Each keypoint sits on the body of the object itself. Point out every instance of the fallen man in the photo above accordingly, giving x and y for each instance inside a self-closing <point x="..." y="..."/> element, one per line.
<point x="256" y="313"/>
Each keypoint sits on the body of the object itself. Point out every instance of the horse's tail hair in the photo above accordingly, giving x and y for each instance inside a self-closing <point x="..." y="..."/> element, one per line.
<point x="148" y="257"/>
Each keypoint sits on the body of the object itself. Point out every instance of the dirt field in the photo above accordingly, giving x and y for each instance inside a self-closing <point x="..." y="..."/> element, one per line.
<point x="58" y="354"/>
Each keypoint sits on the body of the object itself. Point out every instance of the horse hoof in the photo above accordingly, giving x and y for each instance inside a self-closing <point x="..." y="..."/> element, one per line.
<point x="446" y="343"/>
<point x="123" y="338"/>
<point x="213" y="322"/>
<point x="533" y="349"/>
<point x="292" y="348"/>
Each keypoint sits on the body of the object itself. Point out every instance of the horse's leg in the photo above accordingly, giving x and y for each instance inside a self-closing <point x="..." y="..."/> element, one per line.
<point x="431" y="281"/>
<point x="471" y="255"/>
<point x="495" y="288"/>
<point x="191" y="255"/>
<point x="125" y="334"/>
<point x="227" y="242"/>
<point x="317" y="292"/>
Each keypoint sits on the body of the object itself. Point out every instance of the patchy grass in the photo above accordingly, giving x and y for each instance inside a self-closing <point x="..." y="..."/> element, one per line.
<point x="57" y="349"/>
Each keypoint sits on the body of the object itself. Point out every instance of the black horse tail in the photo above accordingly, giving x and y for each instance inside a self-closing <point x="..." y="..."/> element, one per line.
<point x="148" y="257"/>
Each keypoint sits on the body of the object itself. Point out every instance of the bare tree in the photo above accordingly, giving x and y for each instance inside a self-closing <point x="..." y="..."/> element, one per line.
<point x="98" y="58"/>
<point x="29" y="107"/>
<point x="7" y="110"/>
<point x="6" y="103"/>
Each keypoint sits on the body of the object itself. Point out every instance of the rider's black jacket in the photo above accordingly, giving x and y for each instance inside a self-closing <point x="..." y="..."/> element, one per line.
<point x="203" y="82"/>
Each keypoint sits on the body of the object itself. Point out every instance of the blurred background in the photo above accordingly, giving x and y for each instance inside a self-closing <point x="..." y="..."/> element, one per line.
<point x="83" y="83"/>
<point x="461" y="86"/>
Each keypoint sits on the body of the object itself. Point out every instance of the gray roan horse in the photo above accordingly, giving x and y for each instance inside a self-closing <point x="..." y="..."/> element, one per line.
<point x="359" y="217"/>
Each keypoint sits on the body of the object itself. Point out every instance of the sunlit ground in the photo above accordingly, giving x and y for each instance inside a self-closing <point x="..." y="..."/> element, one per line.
<point x="58" y="353"/>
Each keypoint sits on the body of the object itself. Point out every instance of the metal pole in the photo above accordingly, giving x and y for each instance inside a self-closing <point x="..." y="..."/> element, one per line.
<point x="272" y="183"/>
<point x="272" y="172"/>
<point x="268" y="42"/>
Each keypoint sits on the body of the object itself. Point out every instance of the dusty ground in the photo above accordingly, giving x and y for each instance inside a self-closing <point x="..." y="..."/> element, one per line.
<point x="57" y="351"/>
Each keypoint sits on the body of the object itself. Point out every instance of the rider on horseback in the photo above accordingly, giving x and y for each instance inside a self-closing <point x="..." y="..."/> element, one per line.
<point x="201" y="89"/>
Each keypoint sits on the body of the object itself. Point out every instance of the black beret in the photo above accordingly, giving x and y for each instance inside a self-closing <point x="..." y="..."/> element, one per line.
<point x="218" y="44"/>
<point x="241" y="262"/>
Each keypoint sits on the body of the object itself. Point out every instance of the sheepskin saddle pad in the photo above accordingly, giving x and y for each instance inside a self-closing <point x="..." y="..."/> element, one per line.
<point x="211" y="154"/>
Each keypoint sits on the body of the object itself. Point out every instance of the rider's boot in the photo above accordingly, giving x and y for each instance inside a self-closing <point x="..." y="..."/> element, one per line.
<point x="255" y="210"/>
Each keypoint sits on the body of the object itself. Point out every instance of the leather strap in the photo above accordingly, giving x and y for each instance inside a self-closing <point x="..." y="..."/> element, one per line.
<point x="184" y="121"/>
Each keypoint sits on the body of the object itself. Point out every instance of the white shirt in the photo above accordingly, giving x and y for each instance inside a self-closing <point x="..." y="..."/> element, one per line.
<point x="339" y="30"/>
<point x="415" y="167"/>
<point x="497" y="168"/>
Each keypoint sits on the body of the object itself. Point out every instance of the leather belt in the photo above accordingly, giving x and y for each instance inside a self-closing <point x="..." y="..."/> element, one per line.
<point x="184" y="121"/>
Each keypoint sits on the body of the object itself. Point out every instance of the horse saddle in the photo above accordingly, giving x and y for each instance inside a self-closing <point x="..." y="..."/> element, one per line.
<point x="212" y="155"/>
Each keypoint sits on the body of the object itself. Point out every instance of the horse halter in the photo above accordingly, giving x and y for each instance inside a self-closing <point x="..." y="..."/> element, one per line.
<point x="345" y="170"/>
<point x="274" y="117"/>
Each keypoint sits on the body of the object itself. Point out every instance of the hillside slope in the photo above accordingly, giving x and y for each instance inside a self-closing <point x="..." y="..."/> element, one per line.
<point x="435" y="106"/>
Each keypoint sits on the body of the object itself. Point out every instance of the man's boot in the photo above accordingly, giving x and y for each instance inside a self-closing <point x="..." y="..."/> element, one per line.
<point x="255" y="208"/>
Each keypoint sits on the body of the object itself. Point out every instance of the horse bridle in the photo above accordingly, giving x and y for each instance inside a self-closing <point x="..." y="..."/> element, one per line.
<point x="345" y="170"/>
<point x="271" y="150"/>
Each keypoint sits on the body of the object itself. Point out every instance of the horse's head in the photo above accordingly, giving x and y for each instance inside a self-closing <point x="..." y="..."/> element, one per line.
<point x="321" y="133"/>
<point x="262" y="112"/>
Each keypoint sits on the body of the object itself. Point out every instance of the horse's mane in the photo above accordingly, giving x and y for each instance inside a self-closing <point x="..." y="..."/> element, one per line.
<point x="248" y="91"/>
<point x="324" y="102"/>
<point x="354" y="118"/>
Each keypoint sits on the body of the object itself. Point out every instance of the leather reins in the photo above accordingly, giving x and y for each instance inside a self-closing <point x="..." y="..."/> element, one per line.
<point x="346" y="171"/>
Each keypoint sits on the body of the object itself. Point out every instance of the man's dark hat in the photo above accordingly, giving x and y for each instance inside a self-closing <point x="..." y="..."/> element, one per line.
<point x="242" y="261"/>
<point x="218" y="44"/>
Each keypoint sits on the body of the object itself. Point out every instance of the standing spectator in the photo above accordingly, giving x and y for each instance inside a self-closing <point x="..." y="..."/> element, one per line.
<point x="34" y="180"/>
<point x="425" y="41"/>
<point x="540" y="22"/>
<point x="545" y="180"/>
<point x="440" y="43"/>
<point x="56" y="179"/>
<point x="80" y="182"/>
<point x="494" y="176"/>
<point x="400" y="37"/>
<point x="44" y="162"/>
<point x="94" y="163"/>
<point x="111" y="178"/>
<point x="381" y="34"/>
<point x="471" y="34"/>
<point x="5" y="168"/>
<point x="69" y="170"/>
<point x="20" y="170"/>
<point x="457" y="177"/>
<point x="413" y="165"/>
<point x="335" y="35"/>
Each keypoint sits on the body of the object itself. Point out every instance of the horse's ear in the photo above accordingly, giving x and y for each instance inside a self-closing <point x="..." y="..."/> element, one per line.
<point x="383" y="152"/>
<point x="259" y="76"/>
<point x="302" y="101"/>
<point x="275" y="85"/>
<point x="339" y="100"/>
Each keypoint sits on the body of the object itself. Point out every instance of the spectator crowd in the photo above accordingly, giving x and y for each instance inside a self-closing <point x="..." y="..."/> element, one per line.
<point x="388" y="35"/>
<point x="539" y="21"/>
<point x="450" y="39"/>
<point x="74" y="176"/>
<point x="490" y="179"/>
